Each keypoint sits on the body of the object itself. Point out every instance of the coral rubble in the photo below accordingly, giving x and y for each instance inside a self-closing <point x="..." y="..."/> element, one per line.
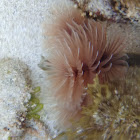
<point x="116" y="10"/>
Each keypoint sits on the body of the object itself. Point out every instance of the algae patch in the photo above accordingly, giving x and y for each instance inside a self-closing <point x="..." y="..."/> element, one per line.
<point x="34" y="105"/>
<point x="114" y="112"/>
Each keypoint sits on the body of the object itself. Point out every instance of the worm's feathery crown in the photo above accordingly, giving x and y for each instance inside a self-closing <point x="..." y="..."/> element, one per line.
<point x="80" y="51"/>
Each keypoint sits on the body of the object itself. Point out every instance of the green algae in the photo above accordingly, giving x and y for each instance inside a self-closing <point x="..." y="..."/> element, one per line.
<point x="36" y="90"/>
<point x="34" y="105"/>
<point x="9" y="138"/>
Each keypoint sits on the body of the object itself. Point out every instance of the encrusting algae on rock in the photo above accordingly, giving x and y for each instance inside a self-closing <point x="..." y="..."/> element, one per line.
<point x="18" y="102"/>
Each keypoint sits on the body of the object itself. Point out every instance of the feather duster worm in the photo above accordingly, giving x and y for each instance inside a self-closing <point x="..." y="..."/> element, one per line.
<point x="79" y="51"/>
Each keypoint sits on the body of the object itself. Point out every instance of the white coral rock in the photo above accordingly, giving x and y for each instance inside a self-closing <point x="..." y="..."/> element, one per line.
<point x="14" y="95"/>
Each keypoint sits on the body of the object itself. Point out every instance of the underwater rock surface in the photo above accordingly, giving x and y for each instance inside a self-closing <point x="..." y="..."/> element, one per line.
<point x="114" y="10"/>
<point x="14" y="94"/>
